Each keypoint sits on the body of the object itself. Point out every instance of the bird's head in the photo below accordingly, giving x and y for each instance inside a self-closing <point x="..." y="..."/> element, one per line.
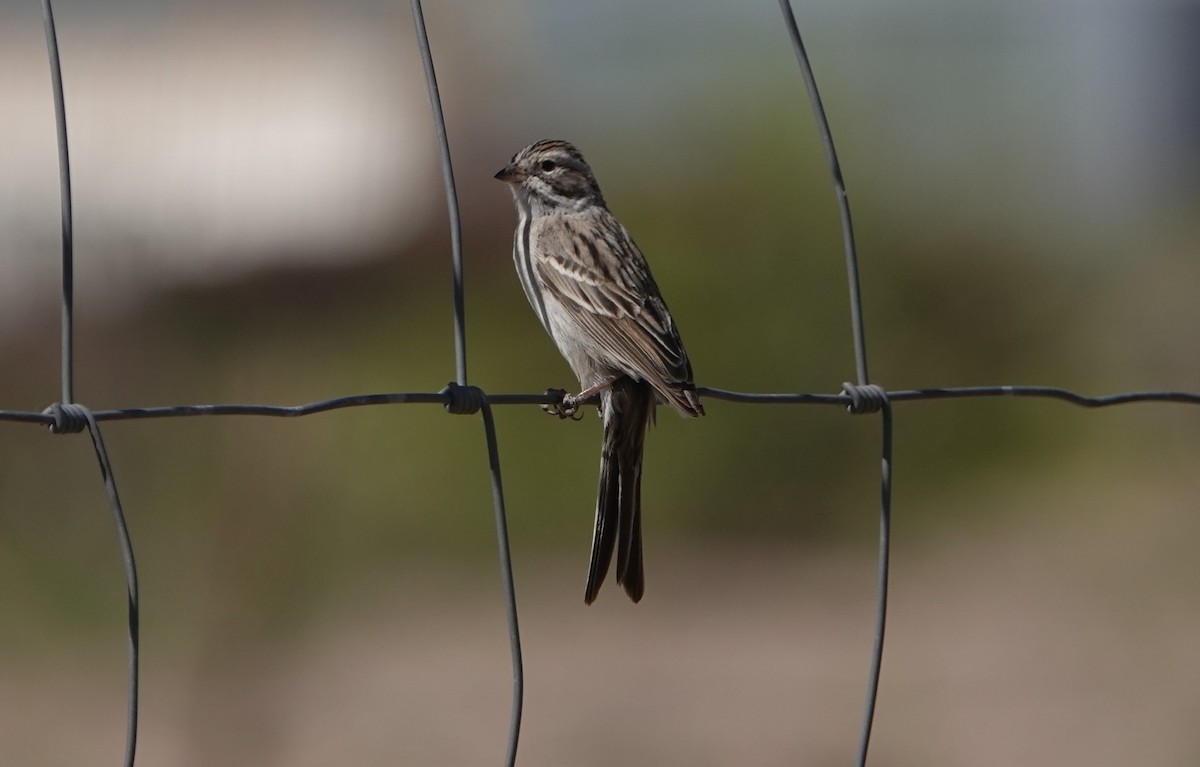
<point x="551" y="175"/>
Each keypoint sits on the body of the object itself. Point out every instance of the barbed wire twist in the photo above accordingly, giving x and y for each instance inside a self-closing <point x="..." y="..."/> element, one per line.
<point x="458" y="397"/>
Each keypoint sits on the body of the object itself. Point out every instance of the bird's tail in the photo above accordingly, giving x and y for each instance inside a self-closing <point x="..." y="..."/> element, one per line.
<point x="628" y="408"/>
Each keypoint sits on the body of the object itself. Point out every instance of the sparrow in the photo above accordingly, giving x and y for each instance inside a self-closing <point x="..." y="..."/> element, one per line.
<point x="593" y="292"/>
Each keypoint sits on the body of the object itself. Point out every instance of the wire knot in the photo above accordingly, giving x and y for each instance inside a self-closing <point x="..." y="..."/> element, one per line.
<point x="868" y="398"/>
<point x="463" y="400"/>
<point x="69" y="418"/>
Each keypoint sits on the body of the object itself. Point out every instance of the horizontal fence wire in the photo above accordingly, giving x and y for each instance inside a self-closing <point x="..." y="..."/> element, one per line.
<point x="67" y="416"/>
<point x="444" y="398"/>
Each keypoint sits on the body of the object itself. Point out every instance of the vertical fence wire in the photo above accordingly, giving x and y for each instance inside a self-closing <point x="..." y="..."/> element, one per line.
<point x="876" y="395"/>
<point x="71" y="418"/>
<point x="470" y="399"/>
<point x="64" y="182"/>
<point x="131" y="585"/>
<point x="510" y="592"/>
<point x="439" y="123"/>
<point x="839" y="186"/>
<point x="885" y="546"/>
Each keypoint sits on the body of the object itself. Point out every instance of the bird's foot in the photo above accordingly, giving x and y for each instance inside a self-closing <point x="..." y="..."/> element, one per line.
<point x="567" y="407"/>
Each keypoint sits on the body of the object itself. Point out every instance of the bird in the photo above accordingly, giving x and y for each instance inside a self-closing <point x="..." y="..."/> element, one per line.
<point x="593" y="293"/>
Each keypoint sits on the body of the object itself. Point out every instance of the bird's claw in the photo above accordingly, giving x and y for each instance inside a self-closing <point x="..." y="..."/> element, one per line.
<point x="567" y="407"/>
<point x="570" y="408"/>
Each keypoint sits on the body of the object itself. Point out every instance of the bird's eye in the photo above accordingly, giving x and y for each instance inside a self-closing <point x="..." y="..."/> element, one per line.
<point x="549" y="165"/>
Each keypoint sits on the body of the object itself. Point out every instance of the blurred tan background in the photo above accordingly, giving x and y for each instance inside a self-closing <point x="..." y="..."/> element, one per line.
<point x="259" y="218"/>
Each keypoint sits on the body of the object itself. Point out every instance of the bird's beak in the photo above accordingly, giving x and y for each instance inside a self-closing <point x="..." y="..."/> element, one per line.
<point x="510" y="175"/>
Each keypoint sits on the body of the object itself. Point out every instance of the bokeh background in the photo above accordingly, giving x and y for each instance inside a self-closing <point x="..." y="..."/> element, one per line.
<point x="259" y="218"/>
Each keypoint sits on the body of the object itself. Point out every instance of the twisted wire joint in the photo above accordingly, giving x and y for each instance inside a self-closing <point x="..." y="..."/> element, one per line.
<point x="69" y="417"/>
<point x="868" y="398"/>
<point x="463" y="400"/>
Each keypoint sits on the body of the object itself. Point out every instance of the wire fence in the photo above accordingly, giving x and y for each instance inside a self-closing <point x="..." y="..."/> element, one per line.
<point x="460" y="397"/>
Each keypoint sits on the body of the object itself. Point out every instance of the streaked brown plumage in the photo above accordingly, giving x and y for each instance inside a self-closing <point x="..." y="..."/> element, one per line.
<point x="593" y="292"/>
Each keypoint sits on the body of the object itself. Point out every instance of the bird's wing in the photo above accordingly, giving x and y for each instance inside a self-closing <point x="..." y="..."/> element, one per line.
<point x="591" y="265"/>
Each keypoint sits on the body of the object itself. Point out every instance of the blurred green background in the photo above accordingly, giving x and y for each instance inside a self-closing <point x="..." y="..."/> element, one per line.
<point x="259" y="219"/>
